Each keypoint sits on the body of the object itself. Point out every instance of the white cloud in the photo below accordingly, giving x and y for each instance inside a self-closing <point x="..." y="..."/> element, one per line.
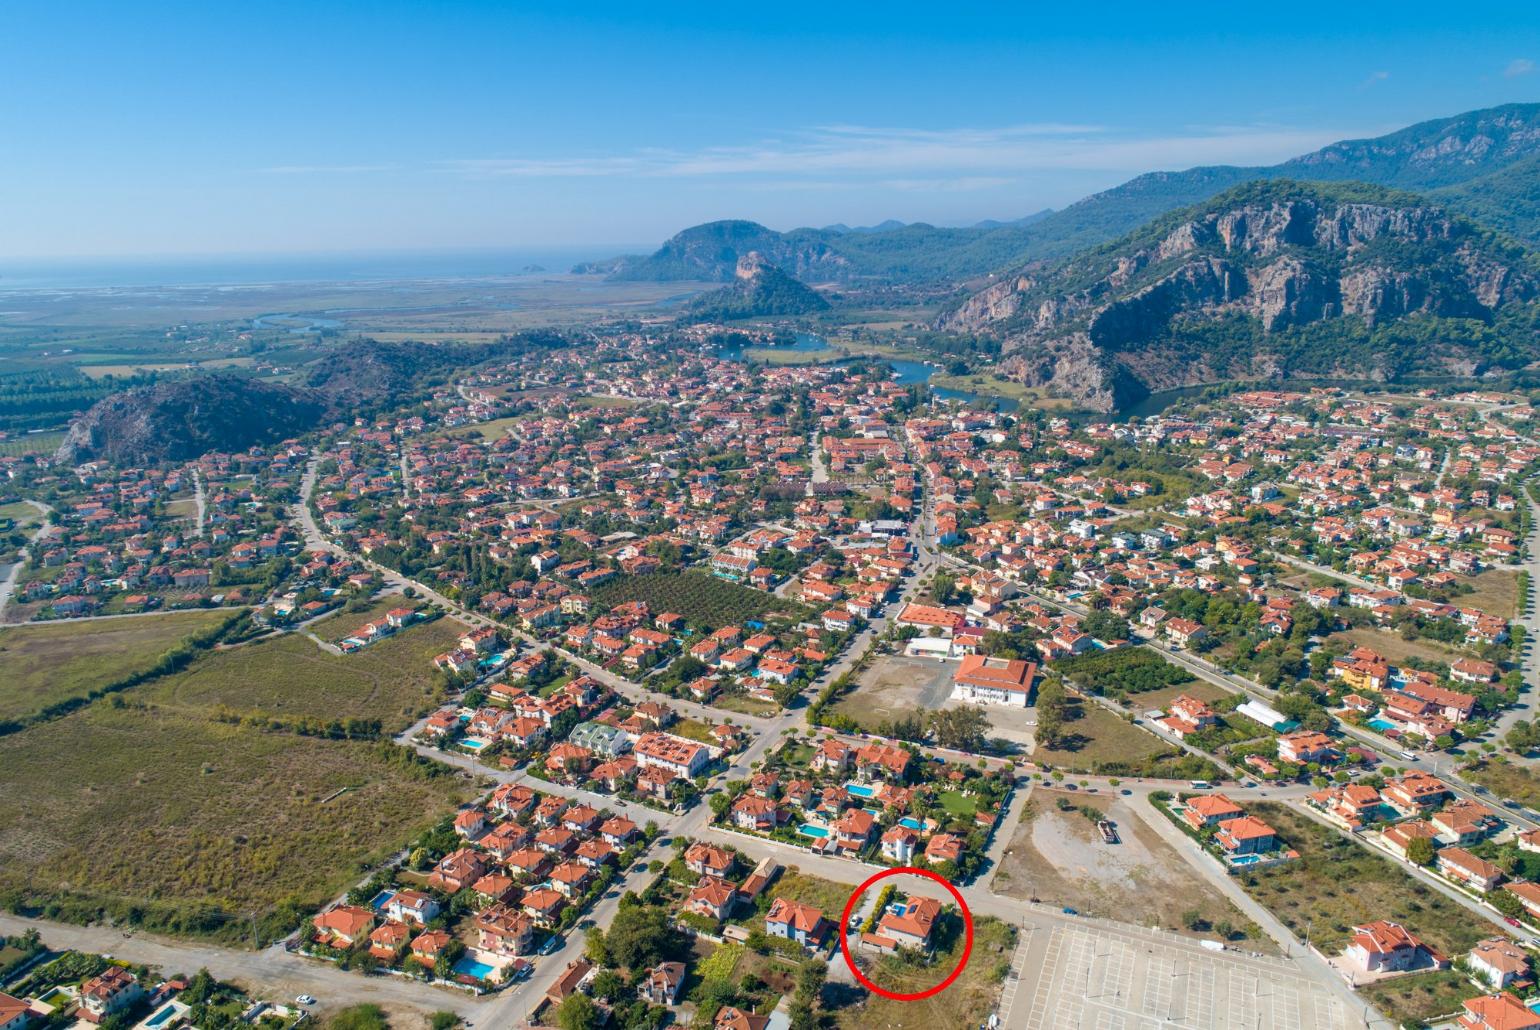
<point x="1375" y="78"/>
<point x="971" y="158"/>
<point x="1519" y="66"/>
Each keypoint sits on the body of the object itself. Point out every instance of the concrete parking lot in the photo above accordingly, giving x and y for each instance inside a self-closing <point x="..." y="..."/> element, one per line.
<point x="1102" y="979"/>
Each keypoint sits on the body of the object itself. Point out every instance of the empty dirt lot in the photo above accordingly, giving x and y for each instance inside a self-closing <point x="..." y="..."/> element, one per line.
<point x="1059" y="858"/>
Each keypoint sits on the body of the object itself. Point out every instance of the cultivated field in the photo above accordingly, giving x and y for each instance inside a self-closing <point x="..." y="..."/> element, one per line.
<point x="43" y="664"/>
<point x="701" y="598"/>
<point x="1059" y="858"/>
<point x="290" y="678"/>
<point x="188" y="825"/>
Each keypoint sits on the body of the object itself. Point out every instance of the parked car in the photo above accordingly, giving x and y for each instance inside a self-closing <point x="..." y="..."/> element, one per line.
<point x="306" y="999"/>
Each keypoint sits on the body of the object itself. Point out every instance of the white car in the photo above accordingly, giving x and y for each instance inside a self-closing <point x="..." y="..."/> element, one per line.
<point x="306" y="999"/>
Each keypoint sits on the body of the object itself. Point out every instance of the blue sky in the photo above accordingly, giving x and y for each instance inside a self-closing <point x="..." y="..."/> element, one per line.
<point x="167" y="128"/>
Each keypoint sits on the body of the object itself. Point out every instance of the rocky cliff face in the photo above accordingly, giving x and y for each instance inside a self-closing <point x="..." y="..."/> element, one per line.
<point x="1263" y="259"/>
<point x="182" y="420"/>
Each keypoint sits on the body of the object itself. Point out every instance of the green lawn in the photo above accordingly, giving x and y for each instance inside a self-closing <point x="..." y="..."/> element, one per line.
<point x="957" y="803"/>
<point x="290" y="678"/>
<point x="43" y="664"/>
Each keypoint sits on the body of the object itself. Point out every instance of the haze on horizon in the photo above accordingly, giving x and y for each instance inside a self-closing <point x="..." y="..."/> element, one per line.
<point x="333" y="127"/>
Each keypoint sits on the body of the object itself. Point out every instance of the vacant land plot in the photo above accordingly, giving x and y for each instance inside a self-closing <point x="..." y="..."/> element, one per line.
<point x="1496" y="592"/>
<point x="1203" y="690"/>
<point x="822" y="894"/>
<point x="895" y="687"/>
<point x="141" y="814"/>
<point x="701" y="598"/>
<point x="1393" y="647"/>
<point x="495" y="429"/>
<point x="1092" y="735"/>
<point x="1060" y="858"/>
<point x="41" y="665"/>
<point x="1508" y="780"/>
<point x="1408" y="1000"/>
<point x="21" y="513"/>
<point x="1336" y="884"/>
<point x="964" y="1004"/>
<point x="289" y="678"/>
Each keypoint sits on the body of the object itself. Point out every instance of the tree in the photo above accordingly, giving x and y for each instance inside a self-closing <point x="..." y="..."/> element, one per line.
<point x="1419" y="850"/>
<point x="578" y="1012"/>
<point x="641" y="936"/>
<point x="961" y="729"/>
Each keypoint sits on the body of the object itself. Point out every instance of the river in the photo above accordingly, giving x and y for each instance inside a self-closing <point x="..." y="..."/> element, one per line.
<point x="906" y="372"/>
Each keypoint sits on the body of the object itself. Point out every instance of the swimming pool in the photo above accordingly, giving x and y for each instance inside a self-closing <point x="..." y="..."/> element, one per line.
<point x="473" y="743"/>
<point x="1382" y="724"/>
<point x="860" y="790"/>
<point x="380" y="900"/>
<point x="468" y="966"/>
<point x="911" y="822"/>
<point x="809" y="830"/>
<point x="1244" y="860"/>
<point x="167" y="1012"/>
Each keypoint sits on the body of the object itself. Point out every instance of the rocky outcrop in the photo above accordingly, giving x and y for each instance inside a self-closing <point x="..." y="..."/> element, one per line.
<point x="1265" y="258"/>
<point x="760" y="290"/>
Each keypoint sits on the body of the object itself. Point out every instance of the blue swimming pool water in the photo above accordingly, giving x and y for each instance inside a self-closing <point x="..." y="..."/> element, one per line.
<point x="167" y="1011"/>
<point x="911" y="822"/>
<point x="380" y="900"/>
<point x="809" y="830"/>
<point x="473" y="744"/>
<point x="1382" y="724"/>
<point x="468" y="966"/>
<point x="860" y="790"/>
<point x="1245" y="859"/>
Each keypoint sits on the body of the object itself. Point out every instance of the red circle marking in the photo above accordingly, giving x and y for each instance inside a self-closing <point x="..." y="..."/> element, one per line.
<point x="967" y="942"/>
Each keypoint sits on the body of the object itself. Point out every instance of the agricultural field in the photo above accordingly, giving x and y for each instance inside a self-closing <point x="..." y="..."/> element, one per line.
<point x="43" y="664"/>
<point x="1118" y="674"/>
<point x="701" y="598"/>
<point x="292" y="680"/>
<point x="137" y="813"/>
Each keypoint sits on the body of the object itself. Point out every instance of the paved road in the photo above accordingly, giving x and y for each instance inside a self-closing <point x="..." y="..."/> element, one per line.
<point x="200" y="499"/>
<point x="43" y="531"/>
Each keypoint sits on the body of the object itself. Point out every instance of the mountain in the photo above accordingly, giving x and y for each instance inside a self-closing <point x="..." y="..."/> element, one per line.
<point x="1267" y="280"/>
<point x="760" y="289"/>
<point x="183" y="419"/>
<point x="186" y="418"/>
<point x="1483" y="163"/>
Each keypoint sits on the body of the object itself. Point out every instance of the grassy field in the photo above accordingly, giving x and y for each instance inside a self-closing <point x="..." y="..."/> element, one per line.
<point x="143" y="814"/>
<point x="1336" y="884"/>
<point x="1410" y="1000"/>
<point x="30" y="443"/>
<point x="44" y="664"/>
<point x="21" y="513"/>
<point x="495" y="429"/>
<point x="1098" y="735"/>
<point x="290" y="678"/>
<point x="993" y="386"/>
<point x="1508" y="780"/>
<point x="965" y="1004"/>
<point x="1203" y="690"/>
<point x="1393" y="647"/>
<point x="701" y="598"/>
<point x="822" y="894"/>
<point x="1496" y="592"/>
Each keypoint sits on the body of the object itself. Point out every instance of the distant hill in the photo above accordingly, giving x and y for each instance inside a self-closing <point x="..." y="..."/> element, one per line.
<point x="1270" y="279"/>
<point x="183" y="419"/>
<point x="759" y="289"/>
<point x="1478" y="162"/>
